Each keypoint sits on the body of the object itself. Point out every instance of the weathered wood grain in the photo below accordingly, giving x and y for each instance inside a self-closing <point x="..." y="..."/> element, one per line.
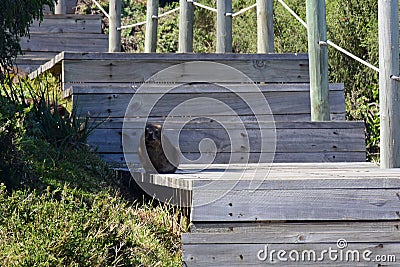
<point x="182" y="57"/>
<point x="157" y="88"/>
<point x="65" y="42"/>
<point x="318" y="157"/>
<point x="298" y="140"/>
<point x="275" y="176"/>
<point x="295" y="205"/>
<point x="67" y="23"/>
<point x="289" y="237"/>
<point x="127" y="70"/>
<point x="299" y="61"/>
<point x="280" y="103"/>
<point x="246" y="254"/>
<point x="296" y="228"/>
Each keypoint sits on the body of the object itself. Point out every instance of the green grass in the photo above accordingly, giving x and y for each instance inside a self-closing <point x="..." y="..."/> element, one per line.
<point x="61" y="205"/>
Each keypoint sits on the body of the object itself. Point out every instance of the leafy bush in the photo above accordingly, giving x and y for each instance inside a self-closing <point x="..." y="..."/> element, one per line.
<point x="44" y="115"/>
<point x="57" y="228"/>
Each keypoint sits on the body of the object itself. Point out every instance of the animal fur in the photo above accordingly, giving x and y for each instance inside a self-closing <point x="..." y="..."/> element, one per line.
<point x="152" y="151"/>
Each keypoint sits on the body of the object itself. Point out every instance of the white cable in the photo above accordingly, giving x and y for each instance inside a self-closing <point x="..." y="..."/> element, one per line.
<point x="243" y="10"/>
<point x="132" y="25"/>
<point x="144" y="22"/>
<point x="293" y="13"/>
<point x="168" y="12"/>
<point x="204" y="6"/>
<point x="344" y="51"/>
<point x="101" y="8"/>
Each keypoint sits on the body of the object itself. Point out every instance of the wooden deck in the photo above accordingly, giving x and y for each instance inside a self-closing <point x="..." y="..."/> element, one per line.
<point x="238" y="209"/>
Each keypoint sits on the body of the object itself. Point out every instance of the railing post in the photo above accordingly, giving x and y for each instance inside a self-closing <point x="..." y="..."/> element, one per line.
<point x="61" y="7"/>
<point x="318" y="59"/>
<point x="186" y="26"/>
<point x="224" y="26"/>
<point x="265" y="26"/>
<point x="150" y="42"/>
<point x="114" y="37"/>
<point x="388" y="19"/>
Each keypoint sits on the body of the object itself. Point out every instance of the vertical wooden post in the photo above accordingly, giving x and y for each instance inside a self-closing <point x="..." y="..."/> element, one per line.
<point x="114" y="36"/>
<point x="224" y="26"/>
<point x="265" y="26"/>
<point x="61" y="7"/>
<point x="186" y="26"/>
<point x="388" y="24"/>
<point x="150" y="42"/>
<point x="318" y="59"/>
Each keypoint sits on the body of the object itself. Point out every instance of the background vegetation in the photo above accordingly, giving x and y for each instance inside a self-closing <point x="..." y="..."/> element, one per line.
<point x="352" y="24"/>
<point x="60" y="204"/>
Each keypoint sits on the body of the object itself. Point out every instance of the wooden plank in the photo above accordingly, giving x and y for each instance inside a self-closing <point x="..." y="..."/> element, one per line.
<point x="246" y="254"/>
<point x="54" y="66"/>
<point x="67" y="23"/>
<point x="273" y="176"/>
<point x="221" y="158"/>
<point x="237" y="141"/>
<point x="290" y="237"/>
<point x="35" y="56"/>
<point x="229" y="123"/>
<point x="65" y="42"/>
<point x="157" y="88"/>
<point x="264" y="69"/>
<point x="296" y="228"/>
<point x="270" y="205"/>
<point x="245" y="104"/>
<point x="181" y="57"/>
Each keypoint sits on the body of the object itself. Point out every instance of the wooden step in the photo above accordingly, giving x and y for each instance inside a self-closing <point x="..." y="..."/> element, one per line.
<point x="30" y="61"/>
<point x="68" y="24"/>
<point x="257" y="244"/>
<point x="130" y="68"/>
<point x="57" y="42"/>
<point x="288" y="102"/>
<point x="295" y="142"/>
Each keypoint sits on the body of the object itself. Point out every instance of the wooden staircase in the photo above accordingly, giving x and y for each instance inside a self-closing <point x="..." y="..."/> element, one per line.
<point x="57" y="33"/>
<point x="317" y="191"/>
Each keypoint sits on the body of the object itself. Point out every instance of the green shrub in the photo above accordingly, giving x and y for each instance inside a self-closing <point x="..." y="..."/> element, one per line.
<point x="61" y="205"/>
<point x="58" y="228"/>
